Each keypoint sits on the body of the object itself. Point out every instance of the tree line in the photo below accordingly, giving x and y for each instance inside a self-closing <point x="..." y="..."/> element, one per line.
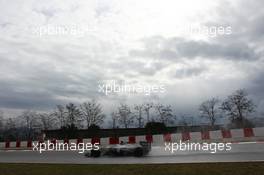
<point x="236" y="107"/>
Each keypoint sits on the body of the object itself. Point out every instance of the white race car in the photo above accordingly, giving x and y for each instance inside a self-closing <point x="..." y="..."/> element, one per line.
<point x="122" y="149"/>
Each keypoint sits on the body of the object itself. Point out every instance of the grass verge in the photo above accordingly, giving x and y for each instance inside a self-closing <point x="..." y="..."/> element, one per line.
<point x="247" y="168"/>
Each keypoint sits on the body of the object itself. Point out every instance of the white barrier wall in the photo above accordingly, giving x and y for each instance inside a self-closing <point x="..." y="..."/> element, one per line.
<point x="237" y="135"/>
<point x="87" y="140"/>
<point x="140" y="138"/>
<point x="158" y="139"/>
<point x="216" y="135"/>
<point x="60" y="141"/>
<point x="124" y="139"/>
<point x="176" y="137"/>
<point x="195" y="136"/>
<point x="23" y="144"/>
<point x="2" y="145"/>
<point x="259" y="132"/>
<point x="104" y="141"/>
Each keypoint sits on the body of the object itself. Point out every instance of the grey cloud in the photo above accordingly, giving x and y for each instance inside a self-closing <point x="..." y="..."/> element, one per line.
<point x="177" y="48"/>
<point x="5" y="24"/>
<point x="137" y="67"/>
<point x="42" y="72"/>
<point x="47" y="12"/>
<point x="102" y="8"/>
<point x="27" y="100"/>
<point x="43" y="88"/>
<point x="256" y="85"/>
<point x="39" y="82"/>
<point x="245" y="18"/>
<point x="190" y="71"/>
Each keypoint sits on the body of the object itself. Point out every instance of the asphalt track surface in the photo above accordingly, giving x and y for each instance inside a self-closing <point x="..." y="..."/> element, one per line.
<point x="242" y="152"/>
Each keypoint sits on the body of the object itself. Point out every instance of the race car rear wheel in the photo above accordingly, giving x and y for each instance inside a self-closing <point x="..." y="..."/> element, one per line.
<point x="95" y="153"/>
<point x="138" y="152"/>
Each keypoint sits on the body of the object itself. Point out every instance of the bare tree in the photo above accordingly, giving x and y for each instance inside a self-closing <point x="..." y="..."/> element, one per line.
<point x="92" y="113"/>
<point x="1" y="120"/>
<point x="60" y="115"/>
<point x="164" y="114"/>
<point x="114" y="119"/>
<point x="139" y="109"/>
<point x="209" y="109"/>
<point x="237" y="106"/>
<point x="183" y="121"/>
<point x="29" y="121"/>
<point x="73" y="115"/>
<point x="10" y="124"/>
<point x="125" y="116"/>
<point x="47" y="121"/>
<point x="147" y="107"/>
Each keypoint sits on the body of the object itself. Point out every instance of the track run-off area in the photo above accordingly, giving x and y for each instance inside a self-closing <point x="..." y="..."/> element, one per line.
<point x="240" y="152"/>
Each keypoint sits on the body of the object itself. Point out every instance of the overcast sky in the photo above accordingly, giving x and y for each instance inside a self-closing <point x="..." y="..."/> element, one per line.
<point x="140" y="42"/>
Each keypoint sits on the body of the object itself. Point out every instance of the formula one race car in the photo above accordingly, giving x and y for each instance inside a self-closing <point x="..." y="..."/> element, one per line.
<point x="122" y="149"/>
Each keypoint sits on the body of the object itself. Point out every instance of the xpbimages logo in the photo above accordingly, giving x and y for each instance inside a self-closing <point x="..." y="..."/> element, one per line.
<point x="206" y="147"/>
<point x="80" y="147"/>
<point x="113" y="87"/>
